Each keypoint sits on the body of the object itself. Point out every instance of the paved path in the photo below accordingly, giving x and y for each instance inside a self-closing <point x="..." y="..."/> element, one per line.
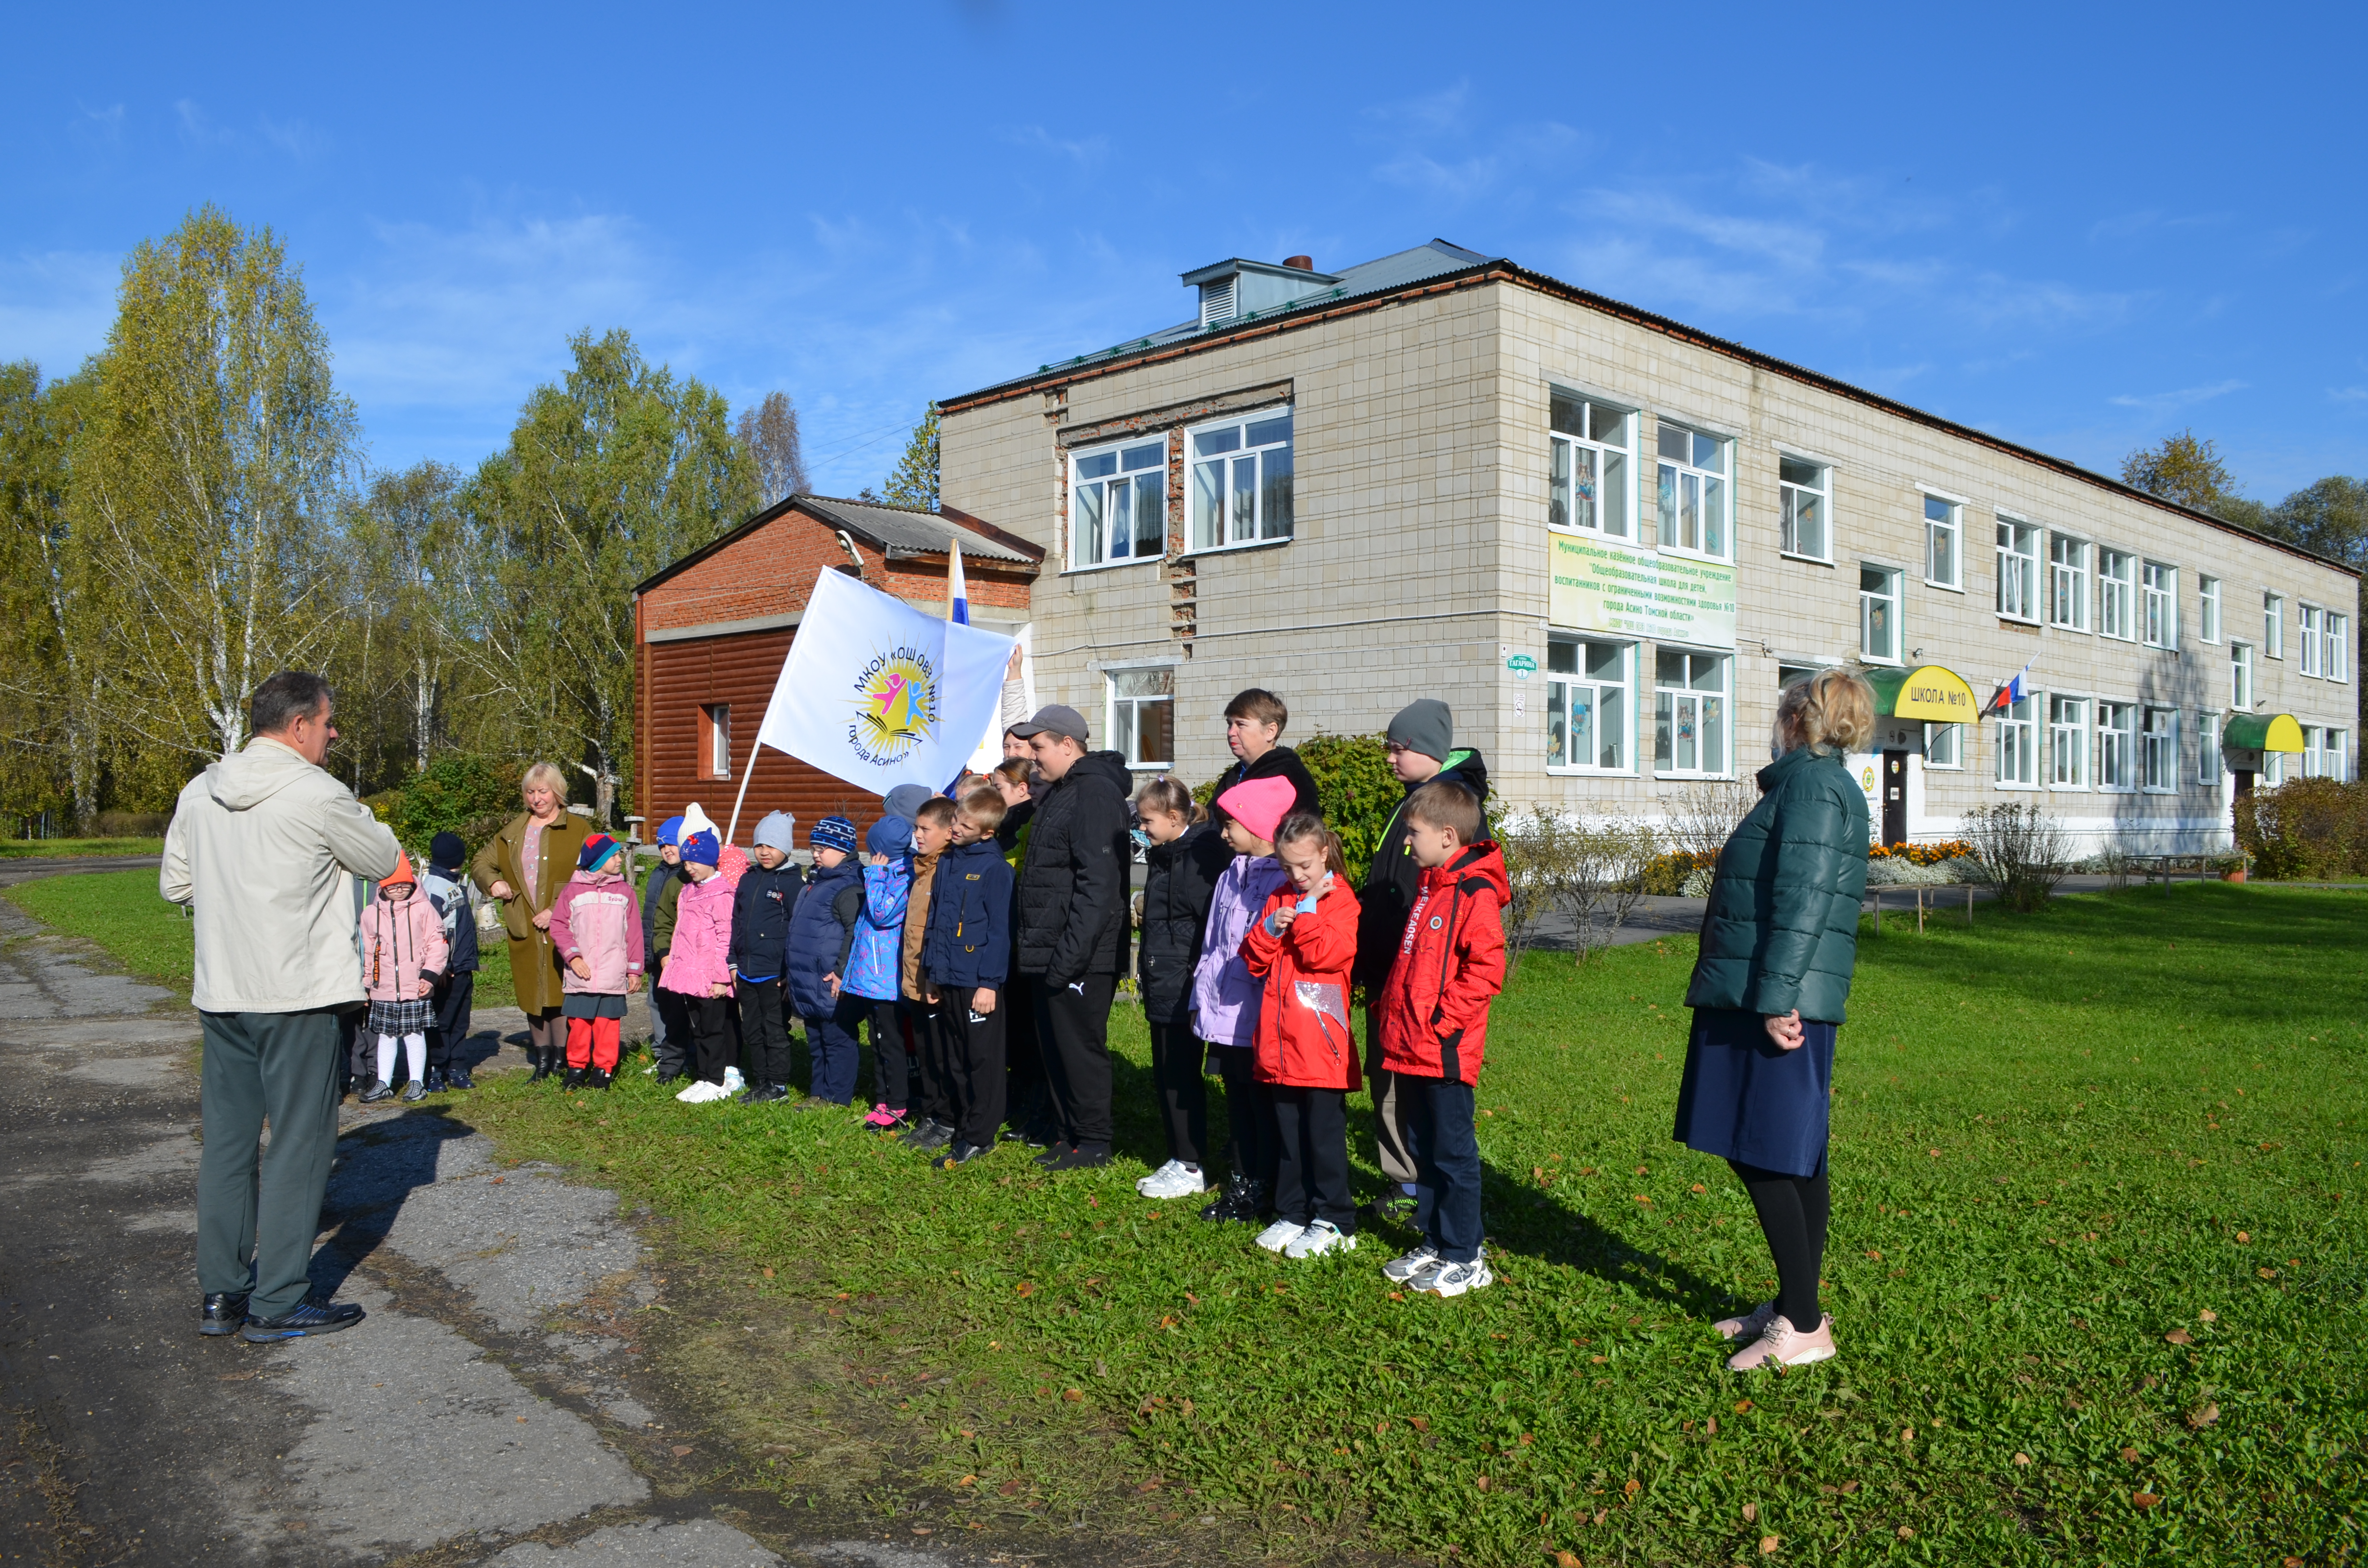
<point x="490" y="1409"/>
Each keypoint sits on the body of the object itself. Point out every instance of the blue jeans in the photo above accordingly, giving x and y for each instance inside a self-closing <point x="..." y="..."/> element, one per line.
<point x="833" y="1050"/>
<point x="1447" y="1164"/>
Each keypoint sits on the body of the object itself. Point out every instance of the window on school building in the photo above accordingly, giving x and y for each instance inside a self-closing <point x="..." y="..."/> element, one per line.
<point x="2207" y="609"/>
<point x="2018" y="570"/>
<point x="2273" y="769"/>
<point x="2116" y="612"/>
<point x="1118" y="505"/>
<point x="1143" y="715"/>
<point x="1241" y="481"/>
<point x="716" y="741"/>
<point x="2158" y="753"/>
<point x="2067" y="582"/>
<point x="2240" y="678"/>
<point x="1588" y="706"/>
<point x="1944" y="745"/>
<point x="2274" y="625"/>
<point x="2117" y="729"/>
<point x="1695" y="497"/>
<point x="2018" y="743"/>
<point x="1690" y="713"/>
<point x="2158" y="605"/>
<point x="2068" y="743"/>
<point x="2208" y="760"/>
<point x="2334" y="755"/>
<point x="1943" y="531"/>
<point x="2309" y="630"/>
<point x="1806" y="492"/>
<point x="1589" y="487"/>
<point x="2338" y="647"/>
<point x="1878" y="614"/>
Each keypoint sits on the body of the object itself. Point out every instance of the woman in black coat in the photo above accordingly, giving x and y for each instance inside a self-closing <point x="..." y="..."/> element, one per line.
<point x="1185" y="857"/>
<point x="1778" y="941"/>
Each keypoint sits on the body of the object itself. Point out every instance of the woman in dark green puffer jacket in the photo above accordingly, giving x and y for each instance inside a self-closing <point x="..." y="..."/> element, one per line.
<point x="1778" y="943"/>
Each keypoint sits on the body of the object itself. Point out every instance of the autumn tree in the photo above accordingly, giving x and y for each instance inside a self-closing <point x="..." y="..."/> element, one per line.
<point x="2188" y="470"/>
<point x="770" y="431"/>
<point x="914" y="482"/>
<point x="405" y="535"/>
<point x="50" y="687"/>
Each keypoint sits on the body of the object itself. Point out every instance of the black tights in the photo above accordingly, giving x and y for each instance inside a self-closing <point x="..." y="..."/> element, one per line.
<point x="1792" y="1212"/>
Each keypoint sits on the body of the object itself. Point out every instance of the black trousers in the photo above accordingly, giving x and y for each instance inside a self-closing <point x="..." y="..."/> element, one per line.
<point x="1447" y="1162"/>
<point x="1249" y="1112"/>
<point x="1311" y="1167"/>
<point x="1024" y="1097"/>
<point x="1183" y="1092"/>
<point x="764" y="1032"/>
<point x="932" y="1074"/>
<point x="891" y="1056"/>
<point x="974" y="1066"/>
<point x="709" y="1035"/>
<point x="672" y="1046"/>
<point x="1792" y="1214"/>
<point x="1073" y="1029"/>
<point x="452" y="1029"/>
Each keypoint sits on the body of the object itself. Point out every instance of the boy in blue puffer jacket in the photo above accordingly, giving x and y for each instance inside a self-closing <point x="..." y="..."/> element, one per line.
<point x="966" y="966"/>
<point x="872" y="983"/>
<point x="822" y="929"/>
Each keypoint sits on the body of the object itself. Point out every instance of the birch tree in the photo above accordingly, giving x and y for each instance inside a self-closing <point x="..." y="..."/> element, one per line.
<point x="49" y="677"/>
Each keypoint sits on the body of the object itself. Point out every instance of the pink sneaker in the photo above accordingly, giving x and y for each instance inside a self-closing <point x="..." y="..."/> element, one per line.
<point x="1749" y="1327"/>
<point x="1785" y="1346"/>
<point x="881" y="1117"/>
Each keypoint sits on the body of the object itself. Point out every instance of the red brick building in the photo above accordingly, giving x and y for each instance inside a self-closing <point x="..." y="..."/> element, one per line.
<point x="710" y="632"/>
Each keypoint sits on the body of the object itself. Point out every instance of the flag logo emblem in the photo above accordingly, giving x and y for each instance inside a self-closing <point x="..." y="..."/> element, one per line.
<point x="896" y="705"/>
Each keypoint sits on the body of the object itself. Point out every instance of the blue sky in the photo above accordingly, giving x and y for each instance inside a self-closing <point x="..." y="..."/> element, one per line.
<point x="2081" y="228"/>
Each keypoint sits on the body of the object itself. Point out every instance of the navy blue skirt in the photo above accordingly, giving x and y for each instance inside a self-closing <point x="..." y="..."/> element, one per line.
<point x="1745" y="1100"/>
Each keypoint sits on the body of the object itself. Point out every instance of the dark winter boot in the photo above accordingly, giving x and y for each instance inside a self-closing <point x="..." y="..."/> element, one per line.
<point x="545" y="1060"/>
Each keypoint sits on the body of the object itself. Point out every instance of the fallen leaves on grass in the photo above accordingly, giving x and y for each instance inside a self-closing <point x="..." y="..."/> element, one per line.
<point x="1768" y="1543"/>
<point x="2180" y="1336"/>
<point x="1751" y="1513"/>
<point x="2199" y="1418"/>
<point x="1027" y="1289"/>
<point x="2022" y="1458"/>
<point x="1073" y="1396"/>
<point x="2143" y="1500"/>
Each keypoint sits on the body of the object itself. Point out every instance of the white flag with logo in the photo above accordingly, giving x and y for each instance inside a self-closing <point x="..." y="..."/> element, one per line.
<point x="879" y="693"/>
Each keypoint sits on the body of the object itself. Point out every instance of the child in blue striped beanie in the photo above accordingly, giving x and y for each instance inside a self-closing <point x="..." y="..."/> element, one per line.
<point x="821" y="927"/>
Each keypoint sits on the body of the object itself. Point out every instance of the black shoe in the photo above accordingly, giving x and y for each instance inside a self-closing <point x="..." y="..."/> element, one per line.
<point x="435" y="1081"/>
<point x="598" y="1078"/>
<point x="222" y="1313"/>
<point x="1040" y="1135"/>
<point x="669" y="1075"/>
<point x="1227" y="1204"/>
<point x="930" y="1136"/>
<point x="815" y="1102"/>
<point x="764" y="1094"/>
<point x="960" y="1154"/>
<point x="1390" y="1209"/>
<point x="574" y="1079"/>
<point x="542" y="1065"/>
<point x="380" y="1089"/>
<point x="458" y="1079"/>
<point x="1084" y="1157"/>
<point x="310" y="1319"/>
<point x="1054" y="1152"/>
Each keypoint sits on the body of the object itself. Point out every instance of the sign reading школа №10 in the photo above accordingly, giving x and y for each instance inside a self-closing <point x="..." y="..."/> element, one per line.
<point x="1599" y="586"/>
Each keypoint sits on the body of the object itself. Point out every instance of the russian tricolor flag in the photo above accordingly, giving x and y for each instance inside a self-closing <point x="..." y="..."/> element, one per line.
<point x="957" y="591"/>
<point x="2011" y="692"/>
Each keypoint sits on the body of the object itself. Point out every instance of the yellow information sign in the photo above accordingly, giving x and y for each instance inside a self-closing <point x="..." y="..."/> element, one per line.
<point x="1933" y="693"/>
<point x="1596" y="584"/>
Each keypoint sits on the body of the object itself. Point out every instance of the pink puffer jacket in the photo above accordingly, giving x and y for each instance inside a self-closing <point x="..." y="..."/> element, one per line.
<point x="400" y="941"/>
<point x="596" y="917"/>
<point x="702" y="939"/>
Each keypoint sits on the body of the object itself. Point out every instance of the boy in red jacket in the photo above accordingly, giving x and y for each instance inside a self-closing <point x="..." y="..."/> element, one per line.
<point x="1434" y="1011"/>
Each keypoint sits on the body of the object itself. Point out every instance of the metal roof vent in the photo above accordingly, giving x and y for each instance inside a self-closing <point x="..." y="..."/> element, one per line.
<point x="1217" y="301"/>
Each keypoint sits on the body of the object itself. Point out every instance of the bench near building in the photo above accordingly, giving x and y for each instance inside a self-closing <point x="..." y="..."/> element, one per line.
<point x="1608" y="540"/>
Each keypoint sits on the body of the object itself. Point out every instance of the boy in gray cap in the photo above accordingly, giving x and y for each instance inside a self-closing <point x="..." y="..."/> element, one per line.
<point x="760" y="930"/>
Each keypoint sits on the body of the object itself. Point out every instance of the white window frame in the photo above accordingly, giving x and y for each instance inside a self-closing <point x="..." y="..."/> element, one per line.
<point x="2068" y="743"/>
<point x="1119" y="477"/>
<point x="2313" y="760"/>
<point x="2067" y="582"/>
<point x="1558" y="701"/>
<point x="1793" y="496"/>
<point x="1127" y="737"/>
<point x="1714" y="490"/>
<point x="2018" y="570"/>
<point x="2309" y="622"/>
<point x="2338" y="663"/>
<point x="2274" y="625"/>
<point x="1710" y="705"/>
<point x="2018" y="739"/>
<point x="2159" y="604"/>
<point x="2116" y="743"/>
<point x="2273" y="767"/>
<point x="1944" y="747"/>
<point x="2117" y="588"/>
<point x="1568" y="450"/>
<point x="2240" y="677"/>
<point x="1870" y="601"/>
<point x="1229" y="524"/>
<point x="1950" y="525"/>
<point x="2209" y="764"/>
<point x="2336" y="749"/>
<point x="2158" y="751"/>
<point x="2207" y="609"/>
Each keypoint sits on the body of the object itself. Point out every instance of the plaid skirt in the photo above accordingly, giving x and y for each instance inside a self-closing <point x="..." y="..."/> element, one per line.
<point x="402" y="1018"/>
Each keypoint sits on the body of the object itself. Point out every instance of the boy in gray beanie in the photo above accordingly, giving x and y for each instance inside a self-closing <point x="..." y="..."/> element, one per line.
<point x="760" y="926"/>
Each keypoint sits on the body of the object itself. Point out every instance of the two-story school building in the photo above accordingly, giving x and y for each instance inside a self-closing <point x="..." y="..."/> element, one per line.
<point x="1608" y="540"/>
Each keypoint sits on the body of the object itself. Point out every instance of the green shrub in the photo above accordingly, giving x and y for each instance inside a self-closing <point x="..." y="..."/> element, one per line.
<point x="1358" y="791"/>
<point x="2307" y="830"/>
<point x="467" y="793"/>
<point x="1665" y="875"/>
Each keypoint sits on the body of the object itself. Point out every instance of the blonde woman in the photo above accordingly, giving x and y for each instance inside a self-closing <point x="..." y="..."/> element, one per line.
<point x="523" y="869"/>
<point x="1778" y="941"/>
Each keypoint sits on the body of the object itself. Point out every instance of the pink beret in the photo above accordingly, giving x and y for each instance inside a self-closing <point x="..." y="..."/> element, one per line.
<point x="1259" y="804"/>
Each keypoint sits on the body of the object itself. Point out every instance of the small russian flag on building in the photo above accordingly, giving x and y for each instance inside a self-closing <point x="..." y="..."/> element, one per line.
<point x="2010" y="692"/>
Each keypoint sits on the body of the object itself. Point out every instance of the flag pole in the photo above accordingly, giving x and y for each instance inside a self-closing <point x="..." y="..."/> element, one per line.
<point x="746" y="774"/>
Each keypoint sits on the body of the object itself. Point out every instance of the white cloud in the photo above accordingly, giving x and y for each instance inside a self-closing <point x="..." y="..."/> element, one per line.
<point x="2170" y="402"/>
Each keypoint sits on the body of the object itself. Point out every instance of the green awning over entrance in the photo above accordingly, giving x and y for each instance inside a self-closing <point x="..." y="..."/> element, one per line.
<point x="2262" y="732"/>
<point x="1933" y="693"/>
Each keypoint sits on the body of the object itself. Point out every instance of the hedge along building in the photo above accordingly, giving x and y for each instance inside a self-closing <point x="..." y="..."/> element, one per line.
<point x="1608" y="540"/>
<point x="713" y="630"/>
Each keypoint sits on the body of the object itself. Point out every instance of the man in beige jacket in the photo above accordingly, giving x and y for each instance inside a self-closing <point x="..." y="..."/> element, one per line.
<point x="261" y="847"/>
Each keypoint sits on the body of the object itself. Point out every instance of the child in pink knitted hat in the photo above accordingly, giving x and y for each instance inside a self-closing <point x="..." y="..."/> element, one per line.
<point x="1226" y="995"/>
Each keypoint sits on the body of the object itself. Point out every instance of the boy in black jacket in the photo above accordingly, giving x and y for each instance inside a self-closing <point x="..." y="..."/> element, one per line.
<point x="1254" y="724"/>
<point x="760" y="931"/>
<point x="965" y="960"/>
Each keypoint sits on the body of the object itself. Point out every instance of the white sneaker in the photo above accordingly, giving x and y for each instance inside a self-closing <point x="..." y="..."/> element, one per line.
<point x="1174" y="1179"/>
<point x="1398" y="1270"/>
<point x="1443" y="1279"/>
<point x="732" y="1082"/>
<point x="1319" y="1238"/>
<point x="1280" y="1234"/>
<point x="701" y="1092"/>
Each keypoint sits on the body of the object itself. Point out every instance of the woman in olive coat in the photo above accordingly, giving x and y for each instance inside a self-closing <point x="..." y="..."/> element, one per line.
<point x="1778" y="943"/>
<point x="523" y="867"/>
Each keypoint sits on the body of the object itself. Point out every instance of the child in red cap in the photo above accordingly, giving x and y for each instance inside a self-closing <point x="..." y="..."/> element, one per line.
<point x="403" y="951"/>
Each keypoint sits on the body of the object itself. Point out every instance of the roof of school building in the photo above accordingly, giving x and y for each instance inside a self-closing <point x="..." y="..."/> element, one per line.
<point x="897" y="532"/>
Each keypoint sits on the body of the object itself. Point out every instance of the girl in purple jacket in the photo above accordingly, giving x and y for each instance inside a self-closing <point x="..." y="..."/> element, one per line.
<point x="1225" y="994"/>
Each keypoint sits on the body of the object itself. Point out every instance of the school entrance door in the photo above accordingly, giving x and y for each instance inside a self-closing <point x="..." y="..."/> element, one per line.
<point x="1895" y="797"/>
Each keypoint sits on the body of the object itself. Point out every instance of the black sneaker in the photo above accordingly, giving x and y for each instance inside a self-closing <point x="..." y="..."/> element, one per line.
<point x="379" y="1089"/>
<point x="1390" y="1209"/>
<point x="763" y="1094"/>
<point x="1084" y="1157"/>
<point x="1054" y="1152"/>
<point x="435" y="1080"/>
<point x="598" y="1078"/>
<point x="309" y="1320"/>
<point x="960" y="1154"/>
<point x="574" y="1079"/>
<point x="1227" y="1204"/>
<point x="458" y="1079"/>
<point x="222" y="1313"/>
<point x="930" y="1136"/>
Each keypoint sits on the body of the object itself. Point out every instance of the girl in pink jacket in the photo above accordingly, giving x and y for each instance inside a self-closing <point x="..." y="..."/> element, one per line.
<point x="595" y="924"/>
<point x="402" y="952"/>
<point x="698" y="967"/>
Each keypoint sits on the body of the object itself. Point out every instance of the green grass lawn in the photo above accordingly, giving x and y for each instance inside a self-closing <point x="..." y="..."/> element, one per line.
<point x="2095" y="1269"/>
<point x="45" y="848"/>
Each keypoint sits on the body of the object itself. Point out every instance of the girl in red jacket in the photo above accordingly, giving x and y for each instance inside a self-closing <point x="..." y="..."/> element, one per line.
<point x="1302" y="945"/>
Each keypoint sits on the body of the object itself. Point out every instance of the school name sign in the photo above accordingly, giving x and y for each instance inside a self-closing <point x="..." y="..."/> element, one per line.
<point x="1603" y="586"/>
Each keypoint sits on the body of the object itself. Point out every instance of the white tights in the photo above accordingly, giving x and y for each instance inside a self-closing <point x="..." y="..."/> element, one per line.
<point x="414" y="1047"/>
